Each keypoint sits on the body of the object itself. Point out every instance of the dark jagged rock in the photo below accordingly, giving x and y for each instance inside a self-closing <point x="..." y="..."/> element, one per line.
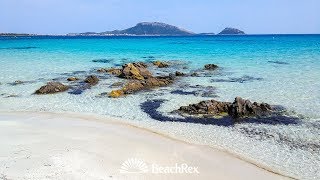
<point x="150" y="107"/>
<point x="51" y="88"/>
<point x="210" y="107"/>
<point x="210" y="67"/>
<point x="180" y="73"/>
<point x="160" y="64"/>
<point x="244" y="108"/>
<point x="240" y="108"/>
<point x="92" y="80"/>
<point x="231" y="31"/>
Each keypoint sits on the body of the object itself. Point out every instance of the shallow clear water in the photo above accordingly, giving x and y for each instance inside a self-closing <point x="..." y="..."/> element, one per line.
<point x="279" y="69"/>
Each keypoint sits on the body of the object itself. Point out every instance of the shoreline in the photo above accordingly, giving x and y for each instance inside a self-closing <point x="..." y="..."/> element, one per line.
<point x="191" y="152"/>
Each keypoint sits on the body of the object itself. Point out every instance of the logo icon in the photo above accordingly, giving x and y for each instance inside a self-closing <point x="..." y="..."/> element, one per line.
<point x="134" y="165"/>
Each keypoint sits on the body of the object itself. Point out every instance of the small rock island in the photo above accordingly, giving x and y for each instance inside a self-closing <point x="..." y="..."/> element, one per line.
<point x="231" y="31"/>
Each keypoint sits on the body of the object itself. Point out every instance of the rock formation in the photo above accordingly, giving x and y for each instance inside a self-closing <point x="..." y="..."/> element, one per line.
<point x="51" y="88"/>
<point x="240" y="108"/>
<point x="210" y="67"/>
<point x="92" y="80"/>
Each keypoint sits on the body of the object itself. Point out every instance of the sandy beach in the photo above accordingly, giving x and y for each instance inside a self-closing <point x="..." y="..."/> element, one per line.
<point x="66" y="146"/>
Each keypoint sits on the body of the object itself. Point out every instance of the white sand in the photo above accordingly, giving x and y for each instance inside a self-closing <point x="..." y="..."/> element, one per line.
<point x="56" y="146"/>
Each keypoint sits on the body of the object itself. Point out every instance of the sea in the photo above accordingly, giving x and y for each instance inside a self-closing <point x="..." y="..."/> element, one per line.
<point x="282" y="70"/>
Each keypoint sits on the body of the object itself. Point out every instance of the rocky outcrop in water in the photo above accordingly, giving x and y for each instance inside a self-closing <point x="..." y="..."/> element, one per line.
<point x="231" y="31"/>
<point x="72" y="79"/>
<point x="135" y="71"/>
<point x="245" y="108"/>
<point x="160" y="64"/>
<point x="240" y="108"/>
<point x="178" y="73"/>
<point x="51" y="88"/>
<point x="210" y="67"/>
<point x="210" y="107"/>
<point x="92" y="80"/>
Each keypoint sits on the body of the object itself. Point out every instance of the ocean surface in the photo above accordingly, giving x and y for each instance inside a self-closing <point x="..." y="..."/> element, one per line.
<point x="276" y="69"/>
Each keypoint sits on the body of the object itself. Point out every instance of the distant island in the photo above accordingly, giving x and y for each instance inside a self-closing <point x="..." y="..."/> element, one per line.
<point x="16" y="34"/>
<point x="231" y="31"/>
<point x="156" y="29"/>
<point x="143" y="29"/>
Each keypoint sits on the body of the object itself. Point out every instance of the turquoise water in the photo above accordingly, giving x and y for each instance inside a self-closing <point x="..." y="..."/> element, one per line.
<point x="284" y="70"/>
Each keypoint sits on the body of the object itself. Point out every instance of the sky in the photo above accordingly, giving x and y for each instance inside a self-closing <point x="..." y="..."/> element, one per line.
<point x="251" y="16"/>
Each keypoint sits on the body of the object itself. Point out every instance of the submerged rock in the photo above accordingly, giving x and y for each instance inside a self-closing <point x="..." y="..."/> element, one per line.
<point x="18" y="82"/>
<point x="134" y="85"/>
<point x="92" y="80"/>
<point x="116" y="84"/>
<point x="210" y="67"/>
<point x="51" y="88"/>
<point x="242" y="79"/>
<point x="160" y="64"/>
<point x="194" y="74"/>
<point x="139" y="85"/>
<point x="102" y="60"/>
<point x="240" y="108"/>
<point x="278" y="62"/>
<point x="11" y="96"/>
<point x="72" y="79"/>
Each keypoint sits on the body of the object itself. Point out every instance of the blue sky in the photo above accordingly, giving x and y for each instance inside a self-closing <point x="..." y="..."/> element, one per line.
<point x="252" y="16"/>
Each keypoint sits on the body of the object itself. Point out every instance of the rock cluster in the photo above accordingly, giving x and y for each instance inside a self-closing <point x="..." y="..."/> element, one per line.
<point x="240" y="108"/>
<point x="51" y="88"/>
<point x="135" y="71"/>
